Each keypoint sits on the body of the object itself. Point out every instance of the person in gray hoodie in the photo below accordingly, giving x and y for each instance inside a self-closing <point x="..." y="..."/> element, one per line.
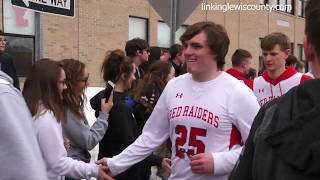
<point x="20" y="155"/>
<point x="76" y="129"/>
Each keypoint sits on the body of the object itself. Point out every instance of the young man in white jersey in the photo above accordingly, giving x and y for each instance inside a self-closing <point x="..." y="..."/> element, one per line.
<point x="199" y="112"/>
<point x="284" y="141"/>
<point x="277" y="79"/>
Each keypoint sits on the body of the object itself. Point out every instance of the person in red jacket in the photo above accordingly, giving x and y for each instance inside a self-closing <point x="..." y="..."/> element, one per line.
<point x="277" y="79"/>
<point x="241" y="64"/>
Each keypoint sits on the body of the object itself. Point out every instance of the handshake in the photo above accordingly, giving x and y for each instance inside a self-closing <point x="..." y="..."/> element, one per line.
<point x="105" y="173"/>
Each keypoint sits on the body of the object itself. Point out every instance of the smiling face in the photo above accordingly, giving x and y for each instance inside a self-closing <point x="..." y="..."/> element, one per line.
<point x="82" y="82"/>
<point x="198" y="56"/>
<point x="61" y="82"/>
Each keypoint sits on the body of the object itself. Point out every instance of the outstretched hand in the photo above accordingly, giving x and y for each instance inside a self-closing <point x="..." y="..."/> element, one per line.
<point x="104" y="164"/>
<point x="104" y="173"/>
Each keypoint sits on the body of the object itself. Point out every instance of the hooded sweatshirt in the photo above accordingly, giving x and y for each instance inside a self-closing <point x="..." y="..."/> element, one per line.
<point x="239" y="75"/>
<point x="20" y="155"/>
<point x="267" y="89"/>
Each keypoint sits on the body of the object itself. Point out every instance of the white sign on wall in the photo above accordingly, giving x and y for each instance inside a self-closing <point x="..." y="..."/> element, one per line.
<point x="18" y="20"/>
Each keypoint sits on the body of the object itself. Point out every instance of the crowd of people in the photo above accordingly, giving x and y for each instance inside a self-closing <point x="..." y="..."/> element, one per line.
<point x="174" y="108"/>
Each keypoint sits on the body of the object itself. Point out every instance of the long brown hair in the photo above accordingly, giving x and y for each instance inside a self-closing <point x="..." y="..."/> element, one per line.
<point x="115" y="63"/>
<point x="41" y="88"/>
<point x="73" y="69"/>
<point x="157" y="74"/>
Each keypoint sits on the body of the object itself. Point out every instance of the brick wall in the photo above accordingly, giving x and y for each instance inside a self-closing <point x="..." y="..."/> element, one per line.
<point x="100" y="25"/>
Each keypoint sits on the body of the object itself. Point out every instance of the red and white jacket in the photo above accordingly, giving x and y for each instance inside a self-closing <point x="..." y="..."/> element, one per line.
<point x="267" y="89"/>
<point x="239" y="75"/>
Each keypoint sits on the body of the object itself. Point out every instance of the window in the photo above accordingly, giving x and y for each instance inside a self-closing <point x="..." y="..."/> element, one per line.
<point x="292" y="48"/>
<point x="301" y="7"/>
<point x="284" y="5"/>
<point x="263" y="2"/>
<point x="138" y="28"/>
<point x="261" y="65"/>
<point x="18" y="20"/>
<point x="19" y="29"/>
<point x="179" y="33"/>
<point x="21" y="48"/>
<point x="164" y="34"/>
<point x="302" y="57"/>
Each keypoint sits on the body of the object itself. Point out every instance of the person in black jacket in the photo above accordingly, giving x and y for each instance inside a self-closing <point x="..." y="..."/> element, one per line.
<point x="122" y="130"/>
<point x="177" y="59"/>
<point x="284" y="141"/>
<point x="6" y="62"/>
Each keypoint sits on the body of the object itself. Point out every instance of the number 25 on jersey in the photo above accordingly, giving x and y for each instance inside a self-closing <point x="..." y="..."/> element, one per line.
<point x="194" y="145"/>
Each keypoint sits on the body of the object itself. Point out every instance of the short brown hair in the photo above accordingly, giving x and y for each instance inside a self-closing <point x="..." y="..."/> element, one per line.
<point x="217" y="38"/>
<point x="134" y="45"/>
<point x="239" y="56"/>
<point x="291" y="60"/>
<point x="271" y="40"/>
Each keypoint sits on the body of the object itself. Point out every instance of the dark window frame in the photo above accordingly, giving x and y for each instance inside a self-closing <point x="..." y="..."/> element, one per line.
<point x="19" y="72"/>
<point x="303" y="6"/>
<point x="292" y="7"/>
<point x="300" y="57"/>
<point x="264" y="2"/>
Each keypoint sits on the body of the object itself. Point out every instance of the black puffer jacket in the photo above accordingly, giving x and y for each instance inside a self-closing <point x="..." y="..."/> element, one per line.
<point x="284" y="141"/>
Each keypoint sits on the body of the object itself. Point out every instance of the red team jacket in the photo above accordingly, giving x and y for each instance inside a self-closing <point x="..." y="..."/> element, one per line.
<point x="239" y="75"/>
<point x="267" y="89"/>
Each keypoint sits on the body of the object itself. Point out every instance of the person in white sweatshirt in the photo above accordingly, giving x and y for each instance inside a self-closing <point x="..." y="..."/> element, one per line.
<point x="19" y="149"/>
<point x="277" y="79"/>
<point x="205" y="113"/>
<point x="43" y="93"/>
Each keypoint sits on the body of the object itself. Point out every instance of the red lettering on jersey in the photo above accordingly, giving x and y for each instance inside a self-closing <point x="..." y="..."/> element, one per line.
<point x="205" y="112"/>
<point x="216" y="121"/>
<point x="210" y="118"/>
<point x="191" y="112"/>
<point x="195" y="112"/>
<point x="173" y="112"/>
<point x="185" y="112"/>
<point x="179" y="111"/>
<point x="170" y="114"/>
<point x="199" y="114"/>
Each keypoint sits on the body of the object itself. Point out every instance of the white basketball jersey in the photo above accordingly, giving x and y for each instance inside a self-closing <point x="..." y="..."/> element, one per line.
<point x="199" y="117"/>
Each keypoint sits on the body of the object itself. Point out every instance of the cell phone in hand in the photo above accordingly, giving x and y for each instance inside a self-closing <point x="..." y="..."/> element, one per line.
<point x="108" y="90"/>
